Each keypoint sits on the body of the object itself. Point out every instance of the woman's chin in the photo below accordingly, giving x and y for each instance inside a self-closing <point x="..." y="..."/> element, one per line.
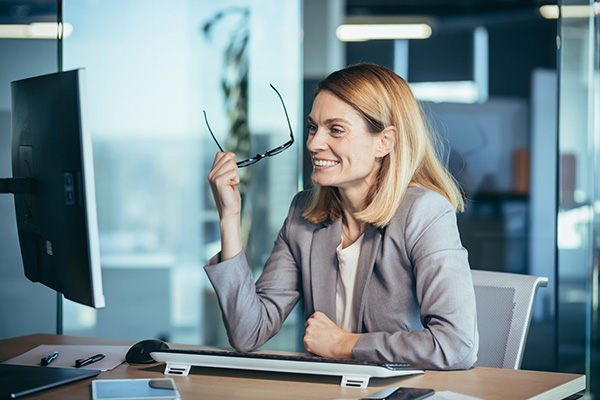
<point x="318" y="180"/>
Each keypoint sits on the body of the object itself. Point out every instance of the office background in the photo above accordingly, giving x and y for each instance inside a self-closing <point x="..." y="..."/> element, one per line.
<point x="514" y="94"/>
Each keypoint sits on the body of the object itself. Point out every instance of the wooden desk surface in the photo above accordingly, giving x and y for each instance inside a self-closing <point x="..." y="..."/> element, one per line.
<point x="210" y="383"/>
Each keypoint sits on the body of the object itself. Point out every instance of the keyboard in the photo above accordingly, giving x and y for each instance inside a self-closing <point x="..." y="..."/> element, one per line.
<point x="354" y="373"/>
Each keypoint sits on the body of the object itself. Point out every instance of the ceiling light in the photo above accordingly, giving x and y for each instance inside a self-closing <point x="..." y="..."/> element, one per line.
<point x="549" y="11"/>
<point x="584" y="11"/>
<point x="39" y="30"/>
<point x="446" y="92"/>
<point x="363" y="32"/>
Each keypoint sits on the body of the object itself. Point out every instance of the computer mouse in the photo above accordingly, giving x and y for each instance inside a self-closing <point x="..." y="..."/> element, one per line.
<point x="139" y="353"/>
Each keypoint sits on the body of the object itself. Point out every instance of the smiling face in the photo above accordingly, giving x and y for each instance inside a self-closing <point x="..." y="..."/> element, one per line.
<point x="344" y="153"/>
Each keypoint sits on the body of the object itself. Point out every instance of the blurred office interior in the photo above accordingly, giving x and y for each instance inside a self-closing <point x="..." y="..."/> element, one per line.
<point x="512" y="88"/>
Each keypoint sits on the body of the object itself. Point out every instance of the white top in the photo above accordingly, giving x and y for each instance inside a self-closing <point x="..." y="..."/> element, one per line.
<point x="346" y="283"/>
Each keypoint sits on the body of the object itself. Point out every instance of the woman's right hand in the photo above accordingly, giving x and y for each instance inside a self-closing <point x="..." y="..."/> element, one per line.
<point x="223" y="179"/>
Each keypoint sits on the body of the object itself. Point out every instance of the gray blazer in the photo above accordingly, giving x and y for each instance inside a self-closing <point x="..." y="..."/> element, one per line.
<point x="414" y="293"/>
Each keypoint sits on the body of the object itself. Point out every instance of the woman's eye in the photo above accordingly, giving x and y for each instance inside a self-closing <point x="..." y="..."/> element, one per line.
<point x="311" y="128"/>
<point x="336" y="130"/>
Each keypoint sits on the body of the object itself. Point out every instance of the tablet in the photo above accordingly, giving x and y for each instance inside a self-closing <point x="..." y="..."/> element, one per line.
<point x="129" y="389"/>
<point x="23" y="380"/>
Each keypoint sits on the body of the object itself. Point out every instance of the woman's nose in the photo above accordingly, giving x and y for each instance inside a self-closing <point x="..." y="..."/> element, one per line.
<point x="316" y="141"/>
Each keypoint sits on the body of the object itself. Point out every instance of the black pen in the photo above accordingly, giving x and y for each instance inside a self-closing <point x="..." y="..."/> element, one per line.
<point x="47" y="360"/>
<point x="85" y="361"/>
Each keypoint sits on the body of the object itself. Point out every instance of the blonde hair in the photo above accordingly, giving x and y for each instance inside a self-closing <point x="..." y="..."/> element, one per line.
<point x="384" y="99"/>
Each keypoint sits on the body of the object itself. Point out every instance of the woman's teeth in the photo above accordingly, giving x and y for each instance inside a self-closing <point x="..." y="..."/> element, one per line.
<point x="325" y="163"/>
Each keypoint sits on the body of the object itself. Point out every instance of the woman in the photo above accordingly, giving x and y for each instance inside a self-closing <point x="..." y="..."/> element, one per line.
<point x="373" y="250"/>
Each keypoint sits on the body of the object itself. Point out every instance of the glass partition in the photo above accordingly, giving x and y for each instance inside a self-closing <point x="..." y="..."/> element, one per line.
<point x="25" y="307"/>
<point x="152" y="68"/>
<point x="579" y="201"/>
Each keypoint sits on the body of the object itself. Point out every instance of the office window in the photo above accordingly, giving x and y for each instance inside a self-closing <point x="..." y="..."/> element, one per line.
<point x="152" y="68"/>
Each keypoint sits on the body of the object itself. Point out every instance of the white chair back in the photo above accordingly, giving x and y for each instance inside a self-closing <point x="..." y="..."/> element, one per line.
<point x="504" y="307"/>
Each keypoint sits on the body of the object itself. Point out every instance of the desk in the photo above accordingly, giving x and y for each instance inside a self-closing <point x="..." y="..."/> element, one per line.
<point x="206" y="383"/>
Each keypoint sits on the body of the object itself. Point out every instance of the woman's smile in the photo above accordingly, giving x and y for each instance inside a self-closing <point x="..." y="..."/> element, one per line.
<point x="320" y="163"/>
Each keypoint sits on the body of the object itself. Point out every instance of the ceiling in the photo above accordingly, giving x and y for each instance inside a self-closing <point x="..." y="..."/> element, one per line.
<point x="26" y="11"/>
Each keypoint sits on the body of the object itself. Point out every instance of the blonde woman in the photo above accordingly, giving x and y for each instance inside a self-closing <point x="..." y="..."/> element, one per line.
<point x="373" y="250"/>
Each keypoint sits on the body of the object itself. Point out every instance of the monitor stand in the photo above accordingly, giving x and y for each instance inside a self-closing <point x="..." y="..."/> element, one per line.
<point x="16" y="185"/>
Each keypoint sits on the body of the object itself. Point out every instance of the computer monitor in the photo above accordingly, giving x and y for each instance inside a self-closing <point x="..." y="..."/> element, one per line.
<point x="53" y="185"/>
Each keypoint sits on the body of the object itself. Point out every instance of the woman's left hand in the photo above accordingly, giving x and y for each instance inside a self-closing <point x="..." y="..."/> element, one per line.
<point x="323" y="337"/>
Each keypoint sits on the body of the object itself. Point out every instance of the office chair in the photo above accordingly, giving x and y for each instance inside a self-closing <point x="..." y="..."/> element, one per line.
<point x="504" y="307"/>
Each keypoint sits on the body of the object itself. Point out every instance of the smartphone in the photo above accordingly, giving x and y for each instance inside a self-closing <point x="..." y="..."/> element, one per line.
<point x="400" y="393"/>
<point x="139" y="389"/>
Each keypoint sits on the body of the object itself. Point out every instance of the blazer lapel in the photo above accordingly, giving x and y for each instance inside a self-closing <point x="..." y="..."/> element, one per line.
<point x="324" y="267"/>
<point x="368" y="255"/>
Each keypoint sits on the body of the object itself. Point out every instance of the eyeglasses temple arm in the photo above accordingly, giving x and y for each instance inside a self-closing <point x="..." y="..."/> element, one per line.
<point x="211" y="133"/>
<point x="285" y="111"/>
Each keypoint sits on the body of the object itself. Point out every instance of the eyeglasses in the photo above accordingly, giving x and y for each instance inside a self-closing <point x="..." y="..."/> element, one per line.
<point x="269" y="153"/>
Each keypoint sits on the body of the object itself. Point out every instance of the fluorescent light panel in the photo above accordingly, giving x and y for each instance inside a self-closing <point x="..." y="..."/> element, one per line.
<point x="584" y="11"/>
<point x="446" y="92"/>
<point x="363" y="32"/>
<point x="39" y="30"/>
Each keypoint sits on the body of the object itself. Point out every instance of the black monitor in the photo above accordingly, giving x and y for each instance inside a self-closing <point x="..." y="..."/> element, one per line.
<point x="53" y="185"/>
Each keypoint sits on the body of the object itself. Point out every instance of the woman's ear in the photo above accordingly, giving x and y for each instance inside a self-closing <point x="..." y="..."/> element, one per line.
<point x="387" y="141"/>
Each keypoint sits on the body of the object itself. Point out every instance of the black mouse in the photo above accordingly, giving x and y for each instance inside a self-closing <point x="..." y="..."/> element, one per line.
<point x="139" y="353"/>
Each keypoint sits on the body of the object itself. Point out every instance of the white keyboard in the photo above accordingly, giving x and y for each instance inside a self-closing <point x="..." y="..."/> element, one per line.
<point x="354" y="373"/>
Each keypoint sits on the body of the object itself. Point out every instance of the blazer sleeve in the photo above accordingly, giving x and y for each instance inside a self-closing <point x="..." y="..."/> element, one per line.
<point x="444" y="290"/>
<point x="253" y="313"/>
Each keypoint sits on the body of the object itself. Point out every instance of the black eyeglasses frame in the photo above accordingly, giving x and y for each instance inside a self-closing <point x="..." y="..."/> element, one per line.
<point x="270" y="153"/>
